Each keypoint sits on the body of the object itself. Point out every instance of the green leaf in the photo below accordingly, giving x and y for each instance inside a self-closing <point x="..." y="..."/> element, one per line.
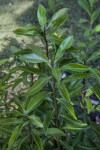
<point x="96" y="128"/>
<point x="87" y="147"/>
<point x="97" y="28"/>
<point x="74" y="128"/>
<point x="88" y="92"/>
<point x="64" y="93"/>
<point x="37" y="56"/>
<point x="37" y="139"/>
<point x="3" y="61"/>
<point x="96" y="74"/>
<point x="89" y="105"/>
<point x="75" y="90"/>
<point x="9" y="121"/>
<point x="67" y="146"/>
<point x="31" y="70"/>
<point x="30" y="31"/>
<point x="59" y="14"/>
<point x="73" y="121"/>
<point x="52" y="6"/>
<point x="66" y="44"/>
<point x="37" y="86"/>
<point x="36" y="121"/>
<point x="41" y="14"/>
<point x="76" y="139"/>
<point x="57" y="24"/>
<point x="57" y="74"/>
<point x="55" y="132"/>
<point x="76" y="76"/>
<point x="69" y="108"/>
<point x="95" y="55"/>
<point x="75" y="67"/>
<point x="55" y="39"/>
<point x="81" y="44"/>
<point x="95" y="15"/>
<point x="47" y="120"/>
<point x="84" y="5"/>
<point x="91" y="2"/>
<point x="19" y="103"/>
<point x="82" y="20"/>
<point x="96" y="90"/>
<point x="36" y="101"/>
<point x="14" y="136"/>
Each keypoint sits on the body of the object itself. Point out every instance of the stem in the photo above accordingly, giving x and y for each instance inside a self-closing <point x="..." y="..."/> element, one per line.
<point x="46" y="41"/>
<point x="30" y="135"/>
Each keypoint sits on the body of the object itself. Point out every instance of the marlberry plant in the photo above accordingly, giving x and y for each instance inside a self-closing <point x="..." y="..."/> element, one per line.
<point x="44" y="115"/>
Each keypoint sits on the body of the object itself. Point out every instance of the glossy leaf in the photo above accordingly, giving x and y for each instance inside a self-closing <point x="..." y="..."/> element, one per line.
<point x="9" y="121"/>
<point x="89" y="105"/>
<point x="76" y="76"/>
<point x="14" y="136"/>
<point x="36" y="101"/>
<point x="55" y="132"/>
<point x="74" y="128"/>
<point x="66" y="44"/>
<point x="73" y="121"/>
<point x="47" y="120"/>
<point x="96" y="74"/>
<point x="96" y="90"/>
<point x="58" y="15"/>
<point x="95" y="55"/>
<point x="41" y="14"/>
<point x="64" y="93"/>
<point x="37" y="139"/>
<point x="75" y="67"/>
<point x="37" y="86"/>
<point x="95" y="15"/>
<point x="69" y="108"/>
<point x="57" y="74"/>
<point x="36" y="121"/>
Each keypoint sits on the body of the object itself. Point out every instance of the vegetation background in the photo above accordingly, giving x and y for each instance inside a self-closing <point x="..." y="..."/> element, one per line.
<point x="20" y="13"/>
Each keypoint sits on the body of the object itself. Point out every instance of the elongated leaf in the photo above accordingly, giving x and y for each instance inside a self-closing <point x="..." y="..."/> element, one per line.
<point x="55" y="132"/>
<point x="73" y="121"/>
<point x="69" y="108"/>
<point x="9" y="121"/>
<point x="38" y="85"/>
<point x="47" y="120"/>
<point x="75" y="67"/>
<point x="95" y="15"/>
<point x="19" y="103"/>
<point x="74" y="128"/>
<point x="76" y="76"/>
<point x="82" y="147"/>
<point x="30" y="31"/>
<point x="41" y="14"/>
<point x="84" y="5"/>
<point x="14" y="136"/>
<point x="55" y="38"/>
<point x="57" y="74"/>
<point x="95" y="55"/>
<point x="37" y="139"/>
<point x="76" y="139"/>
<point x="96" y="128"/>
<point x="3" y="61"/>
<point x="96" y="74"/>
<point x="36" y="121"/>
<point x="64" y="93"/>
<point x="66" y="44"/>
<point x="31" y="70"/>
<point x="58" y="15"/>
<point x="91" y="2"/>
<point x="36" y="101"/>
<point x="57" y="24"/>
<point x="81" y="44"/>
<point x="96" y="90"/>
<point x="89" y="105"/>
<point x="97" y="28"/>
<point x="67" y="146"/>
<point x="7" y="130"/>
